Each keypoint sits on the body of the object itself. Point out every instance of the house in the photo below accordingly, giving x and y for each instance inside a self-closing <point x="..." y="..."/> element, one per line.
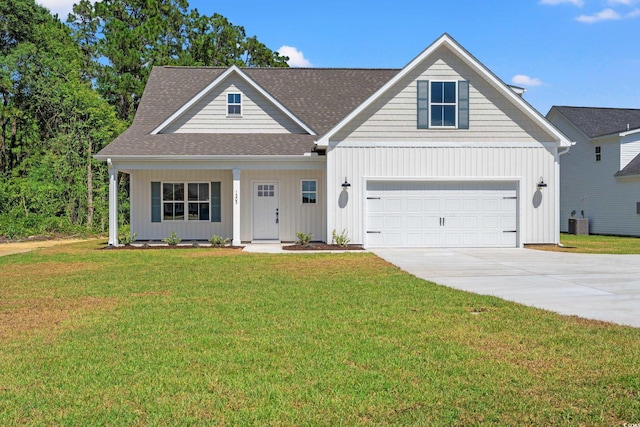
<point x="600" y="176"/>
<point x="439" y="153"/>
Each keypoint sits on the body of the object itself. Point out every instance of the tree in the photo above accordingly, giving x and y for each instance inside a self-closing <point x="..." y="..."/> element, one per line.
<point x="125" y="38"/>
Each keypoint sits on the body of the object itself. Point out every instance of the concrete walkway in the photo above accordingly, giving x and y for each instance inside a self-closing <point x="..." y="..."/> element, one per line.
<point x="601" y="287"/>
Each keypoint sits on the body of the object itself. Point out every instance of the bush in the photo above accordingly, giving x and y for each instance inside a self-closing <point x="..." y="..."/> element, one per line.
<point x="219" y="241"/>
<point x="173" y="239"/>
<point x="304" y="239"/>
<point x="125" y="237"/>
<point x="341" y="239"/>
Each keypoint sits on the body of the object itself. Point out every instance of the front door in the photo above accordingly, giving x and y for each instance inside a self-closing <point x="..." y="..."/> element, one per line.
<point x="266" y="211"/>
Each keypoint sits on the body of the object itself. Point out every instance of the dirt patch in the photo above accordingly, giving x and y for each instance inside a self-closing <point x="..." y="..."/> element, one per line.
<point x="9" y="248"/>
<point x="44" y="315"/>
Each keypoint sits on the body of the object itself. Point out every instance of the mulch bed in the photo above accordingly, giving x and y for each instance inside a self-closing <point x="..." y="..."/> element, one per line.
<point x="322" y="247"/>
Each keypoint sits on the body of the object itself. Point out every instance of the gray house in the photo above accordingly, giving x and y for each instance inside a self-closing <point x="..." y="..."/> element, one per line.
<point x="438" y="153"/>
<point x="600" y="176"/>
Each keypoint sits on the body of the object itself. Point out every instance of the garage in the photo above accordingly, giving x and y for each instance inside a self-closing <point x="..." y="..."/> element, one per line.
<point x="441" y="214"/>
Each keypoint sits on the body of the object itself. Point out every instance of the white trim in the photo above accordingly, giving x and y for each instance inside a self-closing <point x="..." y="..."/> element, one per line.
<point x="630" y="132"/>
<point x="186" y="201"/>
<point x="241" y="104"/>
<point x="317" y="192"/>
<point x="113" y="204"/>
<point x="430" y="104"/>
<point x="447" y="40"/>
<point x="235" y="200"/>
<point x="517" y="180"/>
<point x="438" y="144"/>
<point x="216" y="82"/>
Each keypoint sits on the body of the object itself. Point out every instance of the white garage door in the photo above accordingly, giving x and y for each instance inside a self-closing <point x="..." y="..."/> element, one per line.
<point x="441" y="214"/>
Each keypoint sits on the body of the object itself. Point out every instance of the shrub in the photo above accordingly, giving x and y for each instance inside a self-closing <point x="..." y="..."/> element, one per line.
<point x="172" y="240"/>
<point x="304" y="239"/>
<point x="341" y="239"/>
<point x="125" y="237"/>
<point x="219" y="241"/>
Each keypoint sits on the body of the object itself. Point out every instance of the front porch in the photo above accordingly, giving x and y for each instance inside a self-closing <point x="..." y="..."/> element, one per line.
<point x="246" y="203"/>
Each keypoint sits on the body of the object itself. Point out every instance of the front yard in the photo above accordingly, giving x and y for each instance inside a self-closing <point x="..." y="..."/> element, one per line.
<point x="216" y="336"/>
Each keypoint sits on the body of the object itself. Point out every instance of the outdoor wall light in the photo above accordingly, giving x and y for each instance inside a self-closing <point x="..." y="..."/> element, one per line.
<point x="345" y="184"/>
<point x="541" y="184"/>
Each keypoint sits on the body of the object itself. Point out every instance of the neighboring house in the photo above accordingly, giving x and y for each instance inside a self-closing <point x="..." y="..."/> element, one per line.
<point x="600" y="176"/>
<point x="439" y="153"/>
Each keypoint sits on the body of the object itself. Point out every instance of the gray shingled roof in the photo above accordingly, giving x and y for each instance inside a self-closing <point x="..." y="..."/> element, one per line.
<point x="633" y="168"/>
<point x="319" y="97"/>
<point x="595" y="122"/>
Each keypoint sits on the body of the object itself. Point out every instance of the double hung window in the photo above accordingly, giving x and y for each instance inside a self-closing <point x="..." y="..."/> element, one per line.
<point x="175" y="200"/>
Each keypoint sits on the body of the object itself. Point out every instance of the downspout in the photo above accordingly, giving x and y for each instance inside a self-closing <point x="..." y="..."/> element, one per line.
<point x="559" y="152"/>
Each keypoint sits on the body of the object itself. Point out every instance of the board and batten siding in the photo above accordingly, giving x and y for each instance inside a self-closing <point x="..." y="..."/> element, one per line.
<point x="209" y="114"/>
<point x="294" y="215"/>
<point x="444" y="163"/>
<point x="492" y="117"/>
<point x="588" y="186"/>
<point x="140" y="201"/>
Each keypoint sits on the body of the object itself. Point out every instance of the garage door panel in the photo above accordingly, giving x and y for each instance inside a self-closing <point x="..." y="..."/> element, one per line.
<point x="442" y="214"/>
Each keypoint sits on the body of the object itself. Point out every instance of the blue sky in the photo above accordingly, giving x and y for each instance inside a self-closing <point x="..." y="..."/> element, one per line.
<point x="564" y="52"/>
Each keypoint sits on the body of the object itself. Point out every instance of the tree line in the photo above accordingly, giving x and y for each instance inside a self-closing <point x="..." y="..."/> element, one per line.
<point x="68" y="89"/>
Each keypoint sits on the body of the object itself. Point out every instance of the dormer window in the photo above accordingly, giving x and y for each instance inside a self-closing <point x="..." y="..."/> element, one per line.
<point x="234" y="105"/>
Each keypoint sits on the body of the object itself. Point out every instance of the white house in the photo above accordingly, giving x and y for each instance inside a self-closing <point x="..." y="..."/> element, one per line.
<point x="600" y="176"/>
<point x="439" y="153"/>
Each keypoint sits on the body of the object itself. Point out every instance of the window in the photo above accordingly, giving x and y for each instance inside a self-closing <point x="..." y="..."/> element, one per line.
<point x="598" y="153"/>
<point x="309" y="192"/>
<point x="174" y="200"/>
<point x="234" y="104"/>
<point x="443" y="104"/>
<point x="266" y="190"/>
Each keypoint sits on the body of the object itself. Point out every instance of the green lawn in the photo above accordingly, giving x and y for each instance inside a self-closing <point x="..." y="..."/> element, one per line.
<point x="596" y="244"/>
<point x="216" y="336"/>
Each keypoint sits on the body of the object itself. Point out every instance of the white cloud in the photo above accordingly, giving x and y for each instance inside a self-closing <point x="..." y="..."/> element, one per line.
<point x="605" y="15"/>
<point x="524" y="80"/>
<point x="296" y="58"/>
<point x="578" y="3"/>
<point x="61" y="7"/>
<point x="624" y="2"/>
<point x="633" y="14"/>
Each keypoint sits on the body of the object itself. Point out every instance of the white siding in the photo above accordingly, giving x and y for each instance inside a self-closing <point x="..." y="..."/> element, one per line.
<point x="294" y="216"/>
<point x="393" y="117"/>
<point x="590" y="187"/>
<point x="209" y="114"/>
<point x="629" y="149"/>
<point x="523" y="164"/>
<point x="140" y="196"/>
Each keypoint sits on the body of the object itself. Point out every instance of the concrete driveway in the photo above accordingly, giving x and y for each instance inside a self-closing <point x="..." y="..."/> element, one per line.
<point x="602" y="287"/>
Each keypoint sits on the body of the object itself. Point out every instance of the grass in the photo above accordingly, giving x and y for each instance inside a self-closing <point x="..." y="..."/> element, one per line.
<point x="216" y="336"/>
<point x="593" y="244"/>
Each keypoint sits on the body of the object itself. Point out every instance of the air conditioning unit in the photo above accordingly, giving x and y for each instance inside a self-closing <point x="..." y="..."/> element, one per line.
<point x="579" y="226"/>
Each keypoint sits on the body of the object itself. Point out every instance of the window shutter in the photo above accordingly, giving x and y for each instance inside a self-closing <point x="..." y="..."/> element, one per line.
<point x="423" y="104"/>
<point x="156" y="202"/>
<point x="216" y="207"/>
<point x="463" y="104"/>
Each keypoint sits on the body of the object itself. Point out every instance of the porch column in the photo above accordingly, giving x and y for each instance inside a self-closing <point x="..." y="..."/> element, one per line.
<point x="236" y="208"/>
<point x="113" y="204"/>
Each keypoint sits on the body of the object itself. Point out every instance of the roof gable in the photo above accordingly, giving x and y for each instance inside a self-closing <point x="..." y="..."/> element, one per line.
<point x="232" y="71"/>
<point x="597" y="122"/>
<point x="428" y="54"/>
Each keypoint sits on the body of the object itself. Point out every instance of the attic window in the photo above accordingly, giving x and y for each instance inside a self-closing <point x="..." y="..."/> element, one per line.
<point x="598" y="153"/>
<point x="234" y="104"/>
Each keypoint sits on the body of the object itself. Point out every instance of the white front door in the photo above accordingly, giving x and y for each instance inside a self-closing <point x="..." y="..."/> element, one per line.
<point x="266" y="211"/>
